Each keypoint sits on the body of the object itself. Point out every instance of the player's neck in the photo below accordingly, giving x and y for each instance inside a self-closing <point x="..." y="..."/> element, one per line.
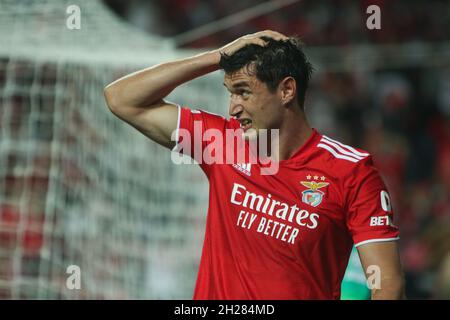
<point x="293" y="134"/>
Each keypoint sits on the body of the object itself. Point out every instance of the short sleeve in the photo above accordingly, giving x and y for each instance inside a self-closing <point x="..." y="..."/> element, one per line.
<point x="196" y="130"/>
<point x="370" y="217"/>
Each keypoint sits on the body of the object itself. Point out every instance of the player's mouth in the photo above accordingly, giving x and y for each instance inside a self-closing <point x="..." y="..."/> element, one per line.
<point x="245" y="124"/>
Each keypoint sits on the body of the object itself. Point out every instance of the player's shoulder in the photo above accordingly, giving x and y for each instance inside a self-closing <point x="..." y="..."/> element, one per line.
<point x="211" y="119"/>
<point x="340" y="157"/>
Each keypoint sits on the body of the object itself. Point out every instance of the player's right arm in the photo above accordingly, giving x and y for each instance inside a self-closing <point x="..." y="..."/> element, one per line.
<point x="138" y="98"/>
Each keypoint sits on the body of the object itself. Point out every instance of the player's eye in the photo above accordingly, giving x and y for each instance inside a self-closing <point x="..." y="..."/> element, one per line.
<point x="244" y="93"/>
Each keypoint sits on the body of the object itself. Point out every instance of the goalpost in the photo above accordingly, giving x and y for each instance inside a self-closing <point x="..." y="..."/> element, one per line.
<point x="77" y="185"/>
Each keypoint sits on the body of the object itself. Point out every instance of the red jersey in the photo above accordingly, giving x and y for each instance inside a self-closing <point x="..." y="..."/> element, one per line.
<point x="287" y="235"/>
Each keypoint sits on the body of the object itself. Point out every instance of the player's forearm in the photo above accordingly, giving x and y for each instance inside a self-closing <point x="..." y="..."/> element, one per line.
<point x="146" y="87"/>
<point x="391" y="290"/>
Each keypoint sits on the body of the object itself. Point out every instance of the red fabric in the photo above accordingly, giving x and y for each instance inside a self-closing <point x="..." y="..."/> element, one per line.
<point x="11" y="221"/>
<point x="292" y="249"/>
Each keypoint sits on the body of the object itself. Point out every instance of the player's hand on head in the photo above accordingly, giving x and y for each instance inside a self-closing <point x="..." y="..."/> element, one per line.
<point x="258" y="38"/>
<point x="271" y="34"/>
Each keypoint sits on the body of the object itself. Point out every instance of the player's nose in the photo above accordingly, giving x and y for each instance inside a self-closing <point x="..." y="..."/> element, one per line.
<point x="235" y="109"/>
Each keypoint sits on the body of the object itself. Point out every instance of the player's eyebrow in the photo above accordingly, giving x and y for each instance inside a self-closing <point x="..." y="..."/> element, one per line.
<point x="239" y="84"/>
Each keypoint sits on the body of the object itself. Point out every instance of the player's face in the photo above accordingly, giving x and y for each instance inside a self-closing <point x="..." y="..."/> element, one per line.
<point x="251" y="103"/>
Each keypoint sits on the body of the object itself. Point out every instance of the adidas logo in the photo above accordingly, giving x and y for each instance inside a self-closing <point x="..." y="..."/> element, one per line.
<point x="244" y="168"/>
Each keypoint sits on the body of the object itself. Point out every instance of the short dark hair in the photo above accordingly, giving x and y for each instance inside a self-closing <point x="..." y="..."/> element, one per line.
<point x="274" y="62"/>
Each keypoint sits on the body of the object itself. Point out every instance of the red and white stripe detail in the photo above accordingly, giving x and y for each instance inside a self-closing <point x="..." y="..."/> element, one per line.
<point x="340" y="150"/>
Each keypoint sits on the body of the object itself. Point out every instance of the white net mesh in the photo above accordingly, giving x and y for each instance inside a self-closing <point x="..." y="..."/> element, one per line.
<point x="77" y="185"/>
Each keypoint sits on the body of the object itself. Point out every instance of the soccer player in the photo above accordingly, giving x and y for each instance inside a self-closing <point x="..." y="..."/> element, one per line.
<point x="286" y="235"/>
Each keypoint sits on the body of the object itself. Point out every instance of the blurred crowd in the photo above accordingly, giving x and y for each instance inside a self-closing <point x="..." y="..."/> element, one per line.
<point x="335" y="22"/>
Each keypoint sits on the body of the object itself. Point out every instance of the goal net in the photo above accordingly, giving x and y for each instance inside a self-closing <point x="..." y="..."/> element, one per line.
<point x="77" y="185"/>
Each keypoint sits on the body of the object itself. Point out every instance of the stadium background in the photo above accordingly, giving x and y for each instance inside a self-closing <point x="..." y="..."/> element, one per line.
<point x="79" y="187"/>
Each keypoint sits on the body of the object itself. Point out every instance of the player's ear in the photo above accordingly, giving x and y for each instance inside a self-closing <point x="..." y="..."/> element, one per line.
<point x="288" y="90"/>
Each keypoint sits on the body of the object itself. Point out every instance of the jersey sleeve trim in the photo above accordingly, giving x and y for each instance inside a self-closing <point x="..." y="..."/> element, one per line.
<point x="376" y="240"/>
<point x="177" y="130"/>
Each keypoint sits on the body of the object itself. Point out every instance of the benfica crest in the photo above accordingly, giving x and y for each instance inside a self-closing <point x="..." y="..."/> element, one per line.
<point x="313" y="196"/>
